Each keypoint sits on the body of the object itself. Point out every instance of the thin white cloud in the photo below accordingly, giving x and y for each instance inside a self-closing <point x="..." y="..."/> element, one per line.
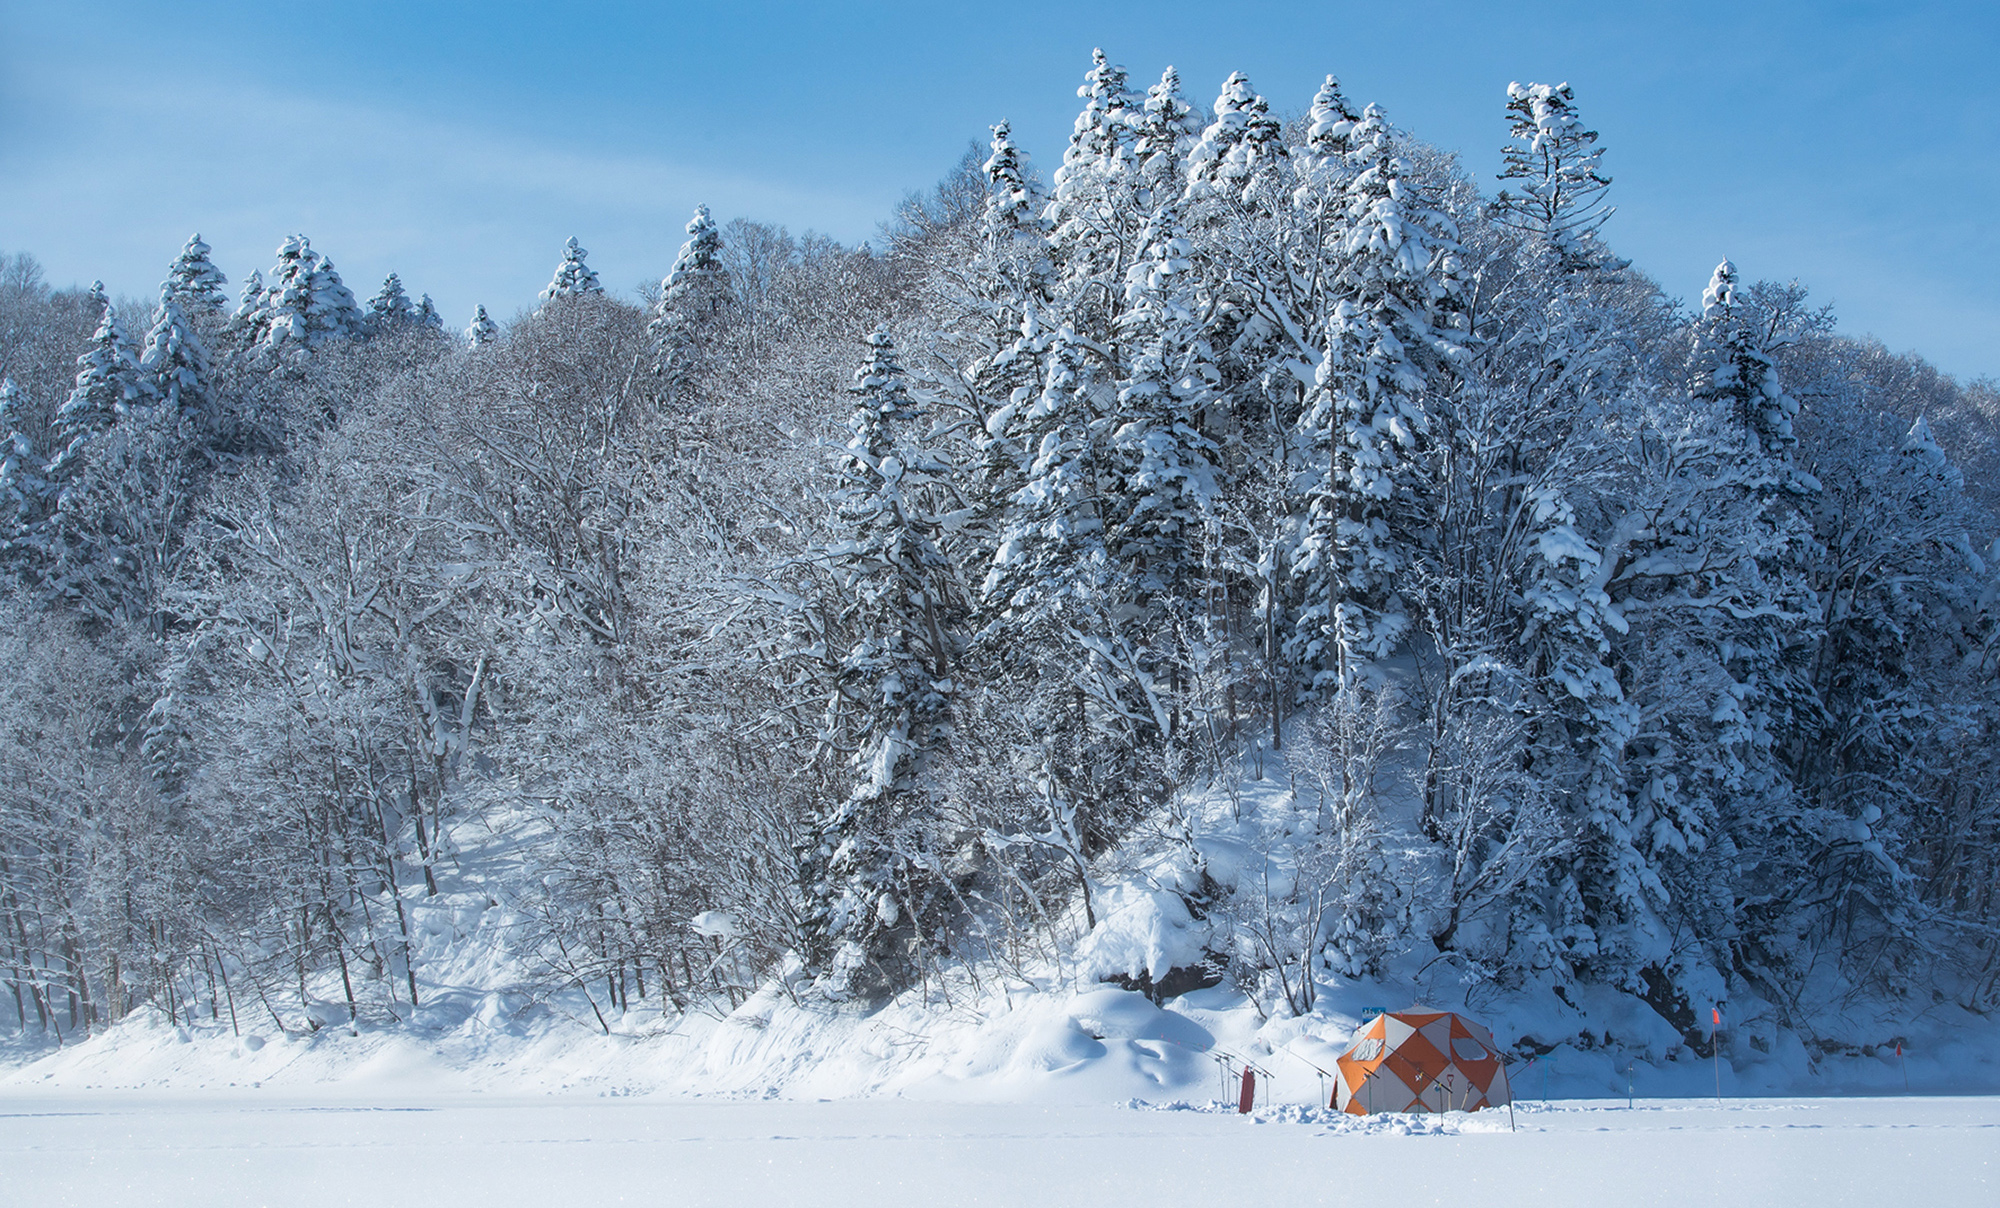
<point x="119" y="173"/>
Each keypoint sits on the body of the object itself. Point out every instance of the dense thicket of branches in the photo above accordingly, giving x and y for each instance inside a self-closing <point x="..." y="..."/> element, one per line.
<point x="833" y="613"/>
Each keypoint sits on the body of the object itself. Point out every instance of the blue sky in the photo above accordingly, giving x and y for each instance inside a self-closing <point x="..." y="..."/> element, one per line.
<point x="1854" y="146"/>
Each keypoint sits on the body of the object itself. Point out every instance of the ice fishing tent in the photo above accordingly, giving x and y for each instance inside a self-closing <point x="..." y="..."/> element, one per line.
<point x="1420" y="1061"/>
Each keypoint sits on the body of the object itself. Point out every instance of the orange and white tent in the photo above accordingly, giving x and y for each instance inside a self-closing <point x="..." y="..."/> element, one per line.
<point x="1420" y="1061"/>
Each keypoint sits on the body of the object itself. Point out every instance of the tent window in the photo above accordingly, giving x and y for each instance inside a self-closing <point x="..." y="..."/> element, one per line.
<point x="1367" y="1050"/>
<point x="1467" y="1049"/>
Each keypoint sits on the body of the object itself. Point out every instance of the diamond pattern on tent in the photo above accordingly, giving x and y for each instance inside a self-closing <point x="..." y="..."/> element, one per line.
<point x="1420" y="1061"/>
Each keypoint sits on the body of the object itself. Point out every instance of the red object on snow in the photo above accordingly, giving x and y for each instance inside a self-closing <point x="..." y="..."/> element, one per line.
<point x="1248" y="1098"/>
<point x="1716" y="1012"/>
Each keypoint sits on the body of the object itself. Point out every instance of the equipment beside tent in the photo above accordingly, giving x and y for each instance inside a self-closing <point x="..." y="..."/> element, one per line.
<point x="1420" y="1061"/>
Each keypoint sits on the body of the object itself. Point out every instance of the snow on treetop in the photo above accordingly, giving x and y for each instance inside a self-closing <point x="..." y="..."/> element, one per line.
<point x="573" y="278"/>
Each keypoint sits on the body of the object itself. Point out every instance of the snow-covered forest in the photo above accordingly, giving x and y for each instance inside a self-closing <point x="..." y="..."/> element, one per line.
<point x="853" y="619"/>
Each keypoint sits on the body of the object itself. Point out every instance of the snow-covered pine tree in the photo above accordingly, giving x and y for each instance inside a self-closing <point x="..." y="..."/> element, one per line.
<point x="427" y="319"/>
<point x="197" y="284"/>
<point x="389" y="312"/>
<point x="1534" y="536"/>
<point x="109" y="385"/>
<point x="574" y="278"/>
<point x="121" y="499"/>
<point x="1561" y="177"/>
<point x="1012" y="268"/>
<point x="1050" y="550"/>
<point x="1240" y="151"/>
<point x="1732" y="369"/>
<point x="1568" y="625"/>
<point x="482" y="330"/>
<point x="176" y="360"/>
<point x="692" y="295"/>
<point x="1101" y="136"/>
<point x="1011" y="285"/>
<point x="1167" y="129"/>
<point x="1330" y="126"/>
<point x="891" y="702"/>
<point x="1393" y="345"/>
<point x="1006" y="297"/>
<point x="1163" y="503"/>
<point x="277" y="314"/>
<point x="1555" y="314"/>
<point x="249" y="304"/>
<point x="303" y="303"/>
<point x="1091" y="222"/>
<point x="1054" y="595"/>
<point x="332" y="313"/>
<point x="699" y="278"/>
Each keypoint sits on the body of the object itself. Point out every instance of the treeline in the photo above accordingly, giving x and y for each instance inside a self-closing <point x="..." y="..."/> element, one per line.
<point x="1621" y="644"/>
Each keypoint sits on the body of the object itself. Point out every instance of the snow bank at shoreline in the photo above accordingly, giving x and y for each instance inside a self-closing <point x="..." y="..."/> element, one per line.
<point x="1018" y="1044"/>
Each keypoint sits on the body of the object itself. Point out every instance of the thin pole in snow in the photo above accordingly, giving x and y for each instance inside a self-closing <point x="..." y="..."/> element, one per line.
<point x="1905" y="1065"/>
<point x="1715" y="1049"/>
<point x="1628" y="1086"/>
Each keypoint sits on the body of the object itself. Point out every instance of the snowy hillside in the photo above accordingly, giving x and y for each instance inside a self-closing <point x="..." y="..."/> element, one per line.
<point x="1055" y="1031"/>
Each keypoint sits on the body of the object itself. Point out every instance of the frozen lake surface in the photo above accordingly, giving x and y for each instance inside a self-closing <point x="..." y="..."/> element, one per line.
<point x="246" y="1147"/>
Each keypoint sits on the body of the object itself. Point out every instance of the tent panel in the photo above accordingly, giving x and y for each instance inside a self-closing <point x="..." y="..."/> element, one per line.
<point x="1438" y="1033"/>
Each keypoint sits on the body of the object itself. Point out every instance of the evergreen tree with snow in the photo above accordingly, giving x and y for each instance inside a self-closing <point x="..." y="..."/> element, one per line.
<point x="1733" y="370"/>
<point x="1558" y="168"/>
<point x="1050" y="552"/>
<point x="333" y="313"/>
<point x="117" y="484"/>
<point x="196" y="284"/>
<point x="427" y="319"/>
<point x="574" y="278"/>
<point x="276" y="316"/>
<point x="893" y="685"/>
<point x="1899" y="584"/>
<point x="1393" y="347"/>
<point x="1166" y="130"/>
<point x="1243" y="147"/>
<point x="1165" y="496"/>
<point x="176" y="361"/>
<point x="1330" y="125"/>
<point x="1056" y="594"/>
<point x="692" y="295"/>
<point x="1012" y="265"/>
<point x="1090" y="217"/>
<point x="1708" y="568"/>
<point x="303" y="303"/>
<point x="390" y="312"/>
<point x="1012" y="280"/>
<point x="1101" y="135"/>
<point x="109" y="386"/>
<point x="482" y="330"/>
<point x="249" y="304"/>
<point x="122" y="498"/>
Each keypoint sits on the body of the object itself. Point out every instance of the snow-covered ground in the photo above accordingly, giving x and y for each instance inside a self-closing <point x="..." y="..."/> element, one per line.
<point x="375" y="1143"/>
